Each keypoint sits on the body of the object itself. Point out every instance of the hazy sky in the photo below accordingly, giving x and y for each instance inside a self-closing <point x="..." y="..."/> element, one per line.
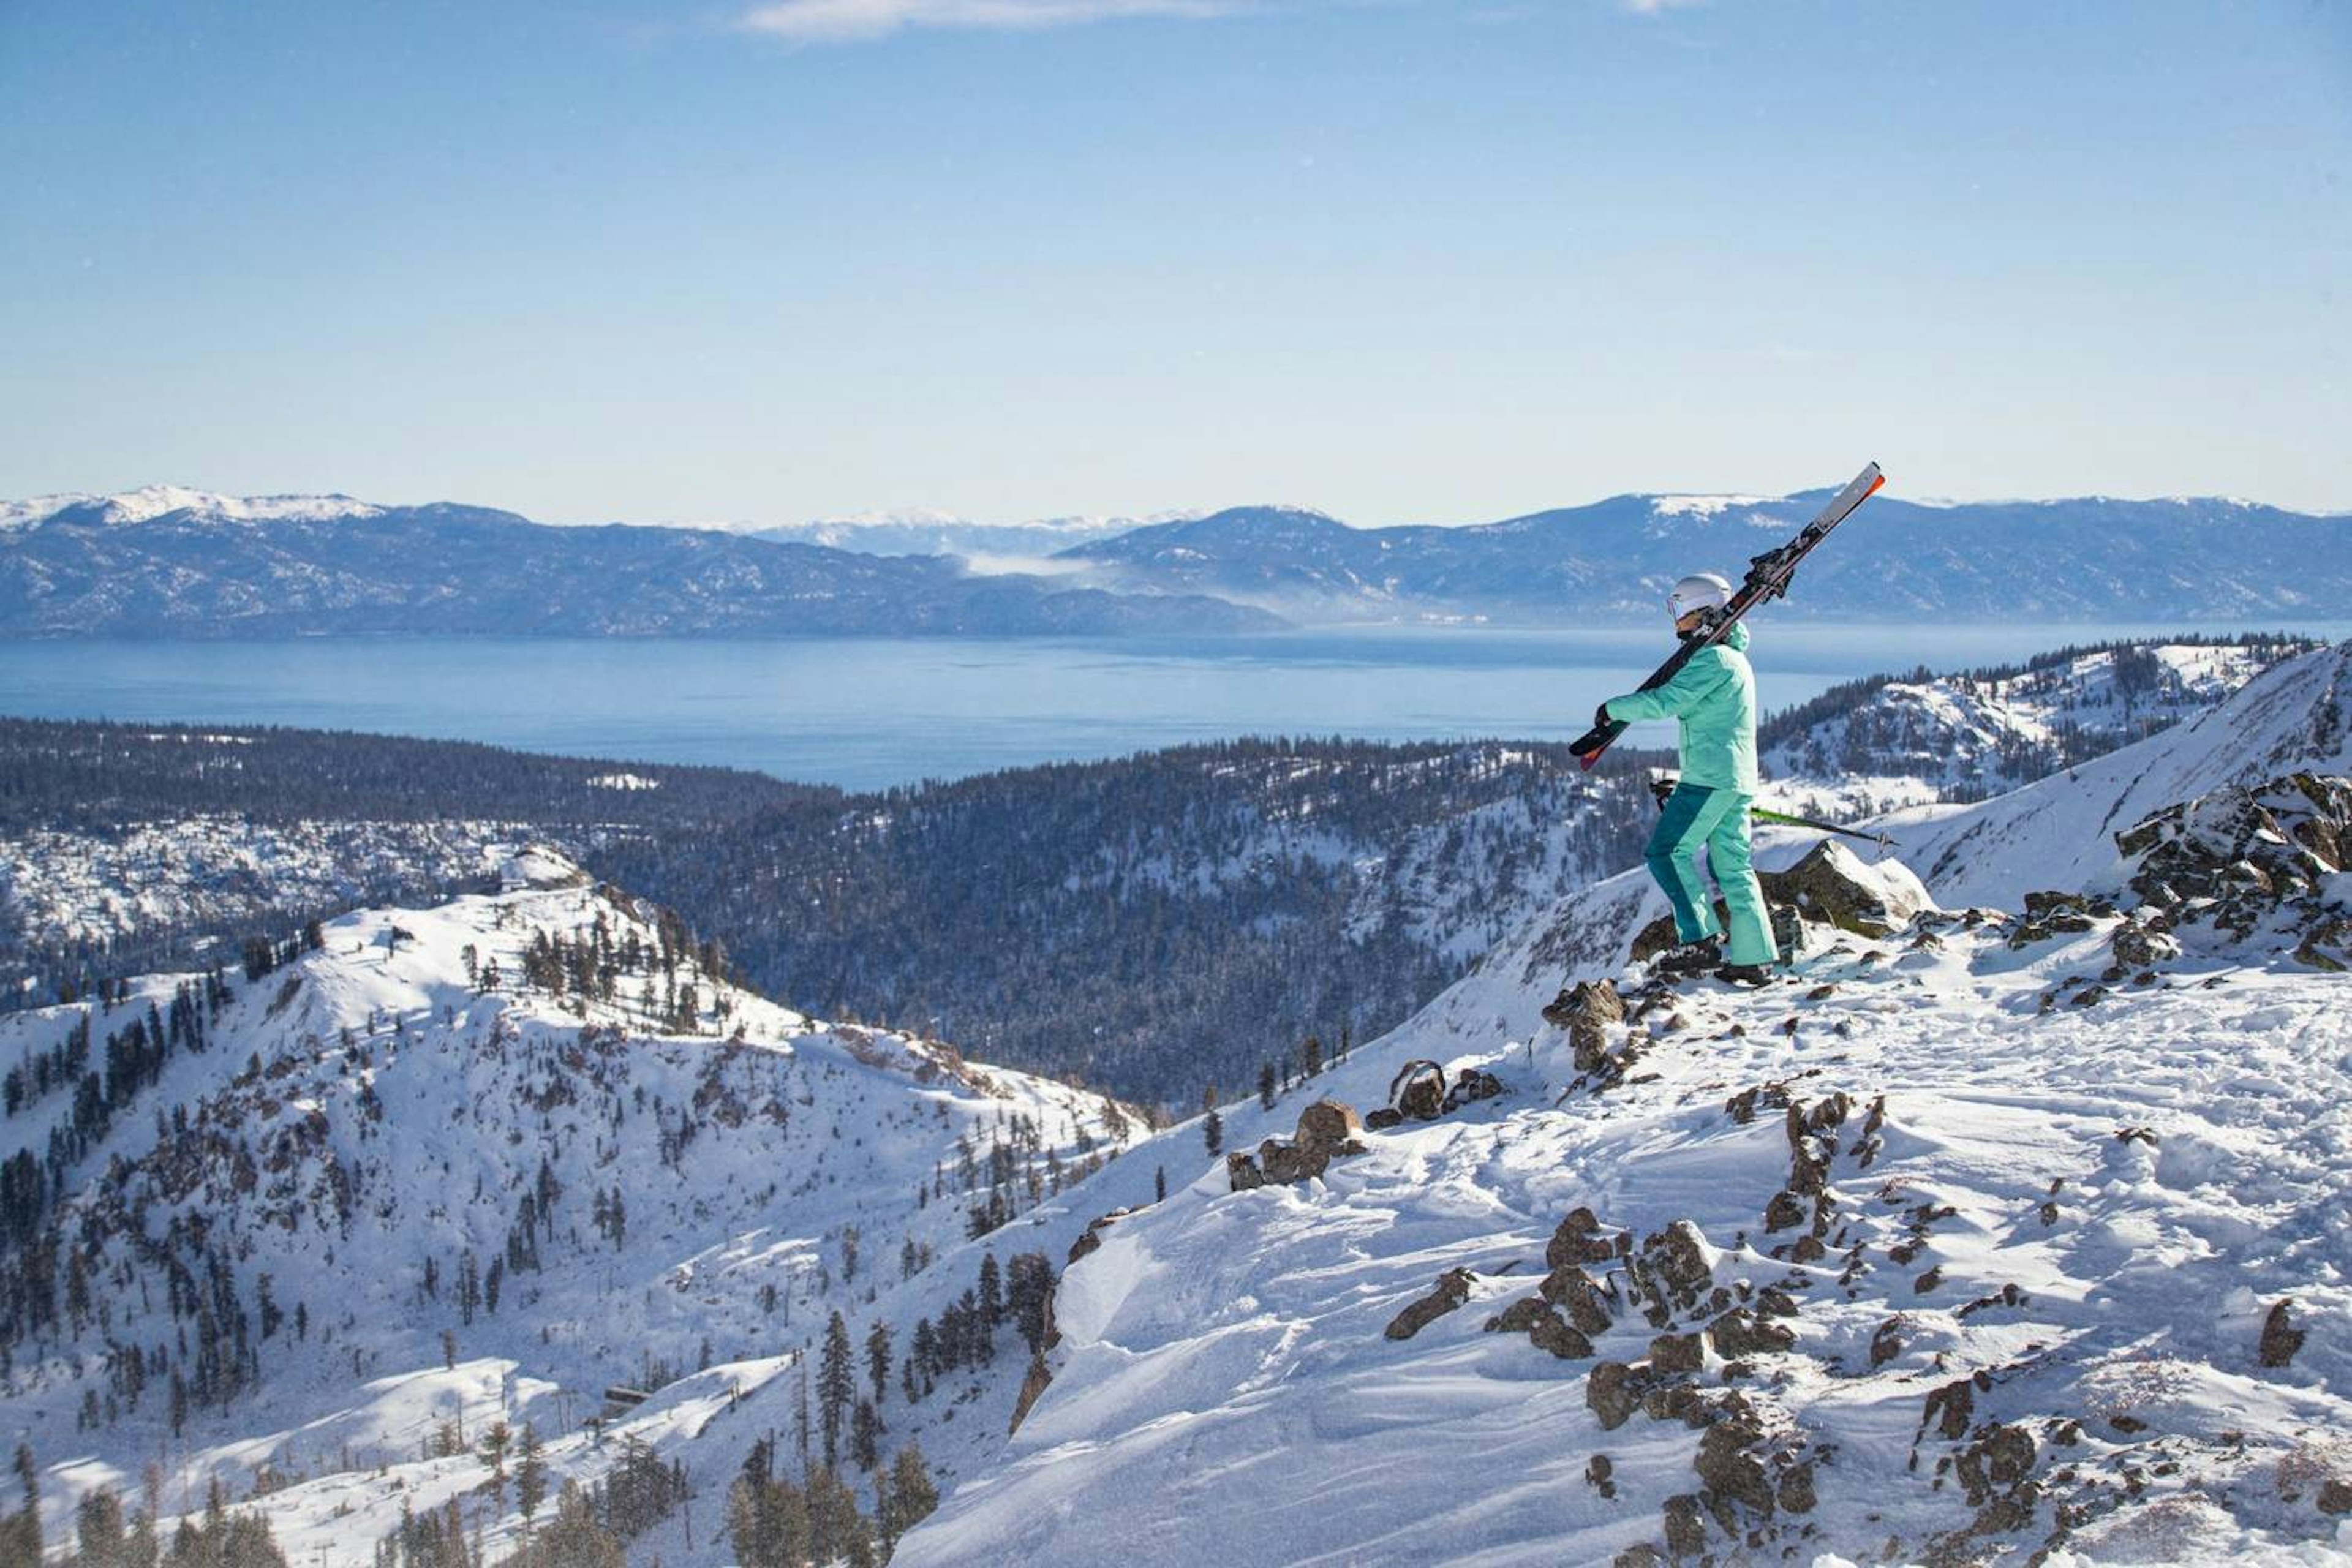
<point x="1401" y="259"/>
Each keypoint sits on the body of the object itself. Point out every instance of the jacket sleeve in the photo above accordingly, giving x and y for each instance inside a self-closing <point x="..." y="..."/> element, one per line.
<point x="1693" y="684"/>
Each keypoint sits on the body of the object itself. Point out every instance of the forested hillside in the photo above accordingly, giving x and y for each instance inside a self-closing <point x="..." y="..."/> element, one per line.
<point x="1157" y="924"/>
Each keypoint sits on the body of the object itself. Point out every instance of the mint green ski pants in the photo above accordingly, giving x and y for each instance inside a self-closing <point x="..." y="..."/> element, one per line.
<point x="1717" y="820"/>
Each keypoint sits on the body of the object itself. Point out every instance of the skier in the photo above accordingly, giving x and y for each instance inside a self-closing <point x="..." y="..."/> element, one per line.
<point x="1714" y="696"/>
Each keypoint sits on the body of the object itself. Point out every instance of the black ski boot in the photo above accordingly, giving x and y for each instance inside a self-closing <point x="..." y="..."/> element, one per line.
<point x="1692" y="958"/>
<point x="1754" y="975"/>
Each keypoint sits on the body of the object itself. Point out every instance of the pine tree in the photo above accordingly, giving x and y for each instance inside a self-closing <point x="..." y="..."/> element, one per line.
<point x="836" y="1385"/>
<point x="865" y="1436"/>
<point x="531" y="1476"/>
<point x="910" y="1496"/>
<point x="877" y="1358"/>
<point x="991" y="1292"/>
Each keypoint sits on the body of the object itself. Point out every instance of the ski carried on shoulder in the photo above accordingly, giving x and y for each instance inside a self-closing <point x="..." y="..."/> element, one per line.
<point x="1768" y="579"/>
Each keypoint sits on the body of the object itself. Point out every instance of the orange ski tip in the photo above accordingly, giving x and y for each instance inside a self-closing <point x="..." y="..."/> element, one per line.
<point x="1877" y="485"/>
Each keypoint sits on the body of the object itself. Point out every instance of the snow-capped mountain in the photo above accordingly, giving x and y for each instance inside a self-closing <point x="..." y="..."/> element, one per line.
<point x="919" y="533"/>
<point x="302" y="566"/>
<point x="1983" y="1237"/>
<point x="314" y="1227"/>
<point x="2093" y="558"/>
<point x="151" y="502"/>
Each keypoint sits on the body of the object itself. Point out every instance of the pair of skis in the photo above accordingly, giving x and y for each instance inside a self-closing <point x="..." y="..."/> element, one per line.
<point x="1768" y="579"/>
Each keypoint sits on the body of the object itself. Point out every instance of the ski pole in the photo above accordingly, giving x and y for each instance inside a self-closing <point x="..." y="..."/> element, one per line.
<point x="1662" y="785"/>
<point x="1786" y="820"/>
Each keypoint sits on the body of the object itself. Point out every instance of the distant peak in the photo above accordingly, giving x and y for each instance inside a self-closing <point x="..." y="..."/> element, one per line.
<point x="151" y="501"/>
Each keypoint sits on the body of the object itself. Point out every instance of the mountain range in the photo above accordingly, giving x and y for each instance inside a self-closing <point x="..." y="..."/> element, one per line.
<point x="171" y="562"/>
<point x="287" y="566"/>
<point x="2084" y="560"/>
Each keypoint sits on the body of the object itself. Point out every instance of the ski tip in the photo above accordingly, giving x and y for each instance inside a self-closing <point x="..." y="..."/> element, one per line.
<point x="1877" y="484"/>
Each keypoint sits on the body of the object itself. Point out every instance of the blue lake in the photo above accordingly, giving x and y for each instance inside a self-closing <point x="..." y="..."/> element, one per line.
<point x="869" y="713"/>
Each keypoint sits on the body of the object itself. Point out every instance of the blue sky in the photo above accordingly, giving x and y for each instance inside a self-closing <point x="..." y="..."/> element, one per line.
<point x="1406" y="262"/>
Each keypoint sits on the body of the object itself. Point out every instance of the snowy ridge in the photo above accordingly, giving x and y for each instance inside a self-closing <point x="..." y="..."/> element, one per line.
<point x="1964" y="737"/>
<point x="1983" y="1258"/>
<point x="2058" y="833"/>
<point x="415" y="1203"/>
<point x="151" y="502"/>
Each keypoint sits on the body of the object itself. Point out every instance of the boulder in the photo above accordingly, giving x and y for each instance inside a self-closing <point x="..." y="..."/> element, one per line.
<point x="1679" y="1256"/>
<point x="1286" y="1163"/>
<point x="1241" y="1174"/>
<point x="1574" y="1292"/>
<point x="1578" y="1240"/>
<point x="1738" y="1333"/>
<point x="1833" y="886"/>
<point x="1453" y="1289"/>
<point x="1470" y="1086"/>
<point x="2281" y="1338"/>
<point x="1418" y="1090"/>
<point x="1728" y="1469"/>
<point x="1948" y="1409"/>
<point x="1611" y="1393"/>
<point x="1686" y="1527"/>
<point x="1585" y="1011"/>
<point x="1795" y="1493"/>
<point x="2335" y="1497"/>
<point x="1535" y="1318"/>
<point x="2140" y="944"/>
<point x="1551" y="1332"/>
<point x="1329" y="1123"/>
<point x="1677" y="1352"/>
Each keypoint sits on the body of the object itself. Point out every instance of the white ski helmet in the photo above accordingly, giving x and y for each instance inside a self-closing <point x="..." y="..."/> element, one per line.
<point x="1700" y="591"/>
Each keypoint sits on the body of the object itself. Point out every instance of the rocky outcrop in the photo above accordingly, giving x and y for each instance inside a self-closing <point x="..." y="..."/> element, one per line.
<point x="1831" y="889"/>
<point x="1536" y="1319"/>
<point x="1453" y="1289"/>
<point x="1327" y="1132"/>
<point x="1419" y="1092"/>
<point x="1091" y="1241"/>
<point x="1585" y="1011"/>
<point x="2247" y="858"/>
<point x="1031" y="1386"/>
<point x="2281" y="1338"/>
<point x="1833" y="886"/>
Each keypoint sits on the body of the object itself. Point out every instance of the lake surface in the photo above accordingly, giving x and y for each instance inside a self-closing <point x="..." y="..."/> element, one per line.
<point x="866" y="713"/>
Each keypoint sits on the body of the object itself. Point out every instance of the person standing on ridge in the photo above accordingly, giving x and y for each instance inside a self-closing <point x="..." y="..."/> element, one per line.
<point x="1713" y="697"/>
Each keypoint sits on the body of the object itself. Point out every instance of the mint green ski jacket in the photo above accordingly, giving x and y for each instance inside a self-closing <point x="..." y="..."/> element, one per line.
<point x="1714" y="696"/>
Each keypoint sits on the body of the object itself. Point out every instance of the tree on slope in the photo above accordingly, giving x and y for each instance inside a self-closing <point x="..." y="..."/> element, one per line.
<point x="835" y="1386"/>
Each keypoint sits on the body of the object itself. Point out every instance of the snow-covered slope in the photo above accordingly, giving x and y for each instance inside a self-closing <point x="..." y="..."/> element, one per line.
<point x="1967" y="1243"/>
<point x="367" y="1198"/>
<point x="1880" y="744"/>
<point x="2059" y="832"/>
